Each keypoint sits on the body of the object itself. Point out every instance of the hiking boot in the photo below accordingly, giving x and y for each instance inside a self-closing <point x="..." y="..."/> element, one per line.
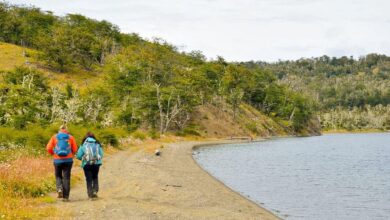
<point x="94" y="195"/>
<point x="65" y="199"/>
<point x="60" y="194"/>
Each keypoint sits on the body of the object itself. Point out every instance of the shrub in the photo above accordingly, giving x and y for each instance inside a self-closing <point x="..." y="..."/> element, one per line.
<point x="139" y="135"/>
<point x="110" y="135"/>
<point x="6" y="137"/>
<point x="189" y="130"/>
<point x="109" y="139"/>
<point x="154" y="134"/>
<point x="78" y="132"/>
<point x="251" y="126"/>
<point x="37" y="138"/>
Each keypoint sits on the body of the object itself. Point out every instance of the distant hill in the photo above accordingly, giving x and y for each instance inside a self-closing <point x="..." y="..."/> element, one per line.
<point x="350" y="93"/>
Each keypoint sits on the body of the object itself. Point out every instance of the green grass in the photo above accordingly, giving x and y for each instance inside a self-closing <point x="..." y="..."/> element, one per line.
<point x="138" y="134"/>
<point x="11" y="56"/>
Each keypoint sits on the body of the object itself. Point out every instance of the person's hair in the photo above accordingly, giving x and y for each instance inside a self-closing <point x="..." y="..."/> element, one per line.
<point x="91" y="135"/>
<point x="63" y="127"/>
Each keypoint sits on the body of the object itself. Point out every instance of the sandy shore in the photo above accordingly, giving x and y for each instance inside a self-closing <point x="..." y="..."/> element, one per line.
<point x="139" y="185"/>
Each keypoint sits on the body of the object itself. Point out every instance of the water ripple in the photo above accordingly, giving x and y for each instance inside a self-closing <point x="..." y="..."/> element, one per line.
<point x="343" y="176"/>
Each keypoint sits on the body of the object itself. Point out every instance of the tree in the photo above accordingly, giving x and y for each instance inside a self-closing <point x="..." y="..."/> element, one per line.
<point x="24" y="97"/>
<point x="57" y="48"/>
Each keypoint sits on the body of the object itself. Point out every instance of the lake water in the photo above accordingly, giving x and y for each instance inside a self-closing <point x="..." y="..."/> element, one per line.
<point x="341" y="176"/>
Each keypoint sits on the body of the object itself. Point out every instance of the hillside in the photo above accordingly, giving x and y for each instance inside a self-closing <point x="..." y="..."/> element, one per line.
<point x="85" y="72"/>
<point x="207" y="120"/>
<point x="350" y="93"/>
<point x="12" y="56"/>
<point x="217" y="122"/>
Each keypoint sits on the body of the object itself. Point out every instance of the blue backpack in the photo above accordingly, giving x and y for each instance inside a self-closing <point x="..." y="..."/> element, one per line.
<point x="62" y="148"/>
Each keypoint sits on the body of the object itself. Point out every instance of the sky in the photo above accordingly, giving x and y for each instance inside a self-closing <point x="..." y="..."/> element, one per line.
<point x="243" y="30"/>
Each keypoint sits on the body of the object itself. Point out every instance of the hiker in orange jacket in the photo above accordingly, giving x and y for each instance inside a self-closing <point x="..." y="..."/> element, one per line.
<point x="63" y="147"/>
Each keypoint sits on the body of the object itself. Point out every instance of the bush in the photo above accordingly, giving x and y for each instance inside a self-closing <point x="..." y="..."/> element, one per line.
<point x="189" y="130"/>
<point x="154" y="134"/>
<point x="78" y="132"/>
<point x="251" y="126"/>
<point x="110" y="135"/>
<point x="6" y="137"/>
<point x="139" y="135"/>
<point x="38" y="136"/>
<point x="109" y="139"/>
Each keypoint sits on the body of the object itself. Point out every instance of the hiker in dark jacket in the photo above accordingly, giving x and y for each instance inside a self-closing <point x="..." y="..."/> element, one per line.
<point x="62" y="146"/>
<point x="91" y="155"/>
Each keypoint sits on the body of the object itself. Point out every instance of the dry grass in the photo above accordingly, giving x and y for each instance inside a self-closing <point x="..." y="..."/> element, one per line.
<point x="218" y="121"/>
<point x="24" y="183"/>
<point x="11" y="56"/>
<point x="26" y="169"/>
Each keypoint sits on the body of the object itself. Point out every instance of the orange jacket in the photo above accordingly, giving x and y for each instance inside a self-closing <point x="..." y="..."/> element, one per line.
<point x="53" y="142"/>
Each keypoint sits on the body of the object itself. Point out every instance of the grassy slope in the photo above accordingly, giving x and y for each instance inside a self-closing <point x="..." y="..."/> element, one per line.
<point x="218" y="121"/>
<point x="12" y="56"/>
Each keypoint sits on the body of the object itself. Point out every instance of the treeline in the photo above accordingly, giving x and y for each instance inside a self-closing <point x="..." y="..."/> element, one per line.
<point x="150" y="86"/>
<point x="145" y="84"/>
<point x="342" y="84"/>
<point x="157" y="84"/>
<point x="63" y="41"/>
<point x="364" y="118"/>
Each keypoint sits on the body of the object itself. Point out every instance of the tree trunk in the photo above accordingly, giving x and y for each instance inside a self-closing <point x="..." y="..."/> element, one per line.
<point x="160" y="108"/>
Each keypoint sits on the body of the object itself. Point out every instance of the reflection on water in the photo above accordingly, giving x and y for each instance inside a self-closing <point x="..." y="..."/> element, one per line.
<point x="343" y="176"/>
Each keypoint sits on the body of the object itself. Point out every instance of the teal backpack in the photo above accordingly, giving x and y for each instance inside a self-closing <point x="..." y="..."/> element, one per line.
<point x="91" y="151"/>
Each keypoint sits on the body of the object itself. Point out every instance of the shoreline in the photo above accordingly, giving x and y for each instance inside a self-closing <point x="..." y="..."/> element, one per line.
<point x="140" y="185"/>
<point x="222" y="142"/>
<point x="343" y="131"/>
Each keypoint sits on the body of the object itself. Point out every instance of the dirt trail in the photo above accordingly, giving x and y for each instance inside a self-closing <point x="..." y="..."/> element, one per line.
<point x="143" y="186"/>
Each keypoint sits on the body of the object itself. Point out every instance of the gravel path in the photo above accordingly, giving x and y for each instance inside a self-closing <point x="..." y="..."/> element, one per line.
<point x="138" y="185"/>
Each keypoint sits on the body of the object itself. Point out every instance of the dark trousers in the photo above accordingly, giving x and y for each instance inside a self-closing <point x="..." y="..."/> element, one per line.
<point x="62" y="172"/>
<point x="91" y="173"/>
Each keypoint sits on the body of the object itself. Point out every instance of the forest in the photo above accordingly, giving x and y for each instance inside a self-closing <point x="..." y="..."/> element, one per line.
<point x="129" y="83"/>
<point x="350" y="93"/>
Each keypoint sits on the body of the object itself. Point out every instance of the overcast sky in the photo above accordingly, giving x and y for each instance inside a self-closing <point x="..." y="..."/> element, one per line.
<point x="241" y="30"/>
